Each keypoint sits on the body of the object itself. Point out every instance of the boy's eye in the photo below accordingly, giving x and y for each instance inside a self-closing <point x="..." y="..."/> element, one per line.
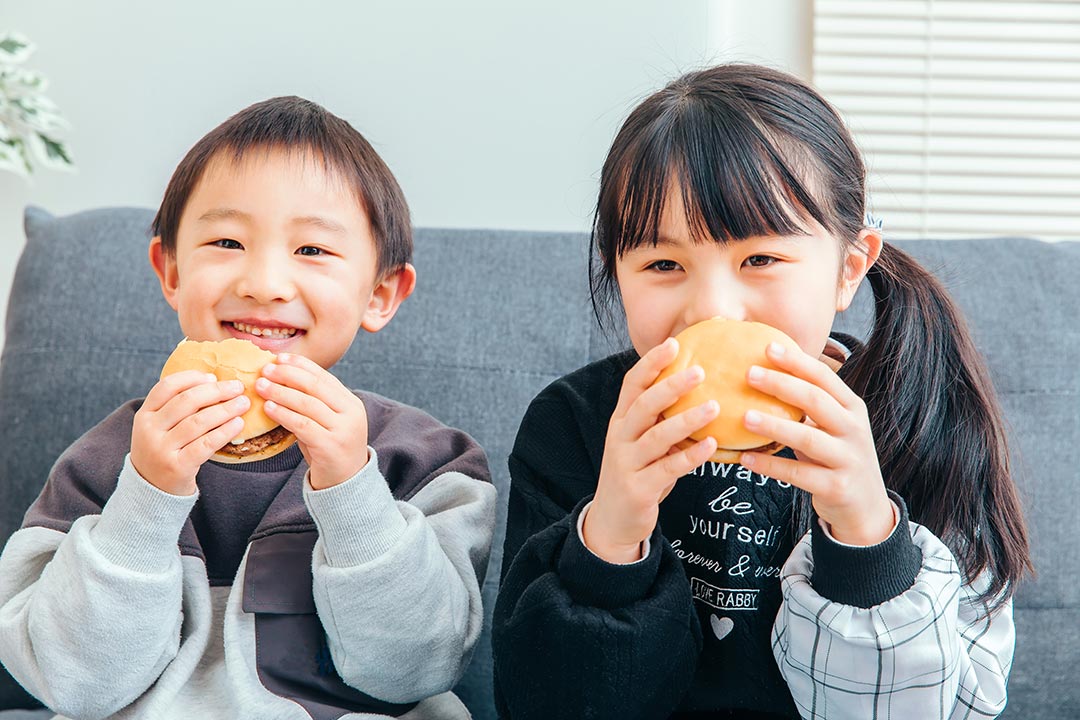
<point x="310" y="251"/>
<point x="664" y="266"/>
<point x="760" y="260"/>
<point x="228" y="244"/>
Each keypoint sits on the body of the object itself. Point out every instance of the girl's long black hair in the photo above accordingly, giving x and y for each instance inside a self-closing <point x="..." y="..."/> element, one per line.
<point x="758" y="152"/>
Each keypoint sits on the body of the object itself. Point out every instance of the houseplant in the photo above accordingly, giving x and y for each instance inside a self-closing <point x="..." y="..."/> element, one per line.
<point x="29" y="121"/>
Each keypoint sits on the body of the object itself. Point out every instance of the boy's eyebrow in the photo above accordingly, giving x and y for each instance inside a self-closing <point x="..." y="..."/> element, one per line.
<point x="318" y="221"/>
<point x="224" y="214"/>
<point x="321" y="222"/>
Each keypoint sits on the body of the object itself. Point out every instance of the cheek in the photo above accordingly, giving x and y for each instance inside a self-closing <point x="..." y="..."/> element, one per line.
<point x="806" y="316"/>
<point x="338" y="301"/>
<point x="648" y="319"/>
<point x="198" y="290"/>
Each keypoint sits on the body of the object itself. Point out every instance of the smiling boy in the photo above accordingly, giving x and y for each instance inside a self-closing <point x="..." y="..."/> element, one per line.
<point x="340" y="578"/>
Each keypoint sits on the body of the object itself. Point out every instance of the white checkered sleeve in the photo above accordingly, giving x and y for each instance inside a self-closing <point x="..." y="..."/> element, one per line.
<point x="931" y="652"/>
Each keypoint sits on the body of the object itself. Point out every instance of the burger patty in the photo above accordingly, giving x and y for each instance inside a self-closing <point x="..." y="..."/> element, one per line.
<point x="769" y="449"/>
<point x="257" y="443"/>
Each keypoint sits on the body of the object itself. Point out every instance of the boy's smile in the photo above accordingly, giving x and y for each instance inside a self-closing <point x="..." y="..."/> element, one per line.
<point x="266" y="330"/>
<point x="277" y="249"/>
<point x="269" y="334"/>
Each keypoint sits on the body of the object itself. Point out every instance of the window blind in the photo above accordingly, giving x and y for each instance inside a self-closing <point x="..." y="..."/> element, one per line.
<point x="967" y="111"/>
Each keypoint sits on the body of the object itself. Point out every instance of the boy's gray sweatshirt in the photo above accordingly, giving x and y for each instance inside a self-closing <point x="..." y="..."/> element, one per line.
<point x="357" y="601"/>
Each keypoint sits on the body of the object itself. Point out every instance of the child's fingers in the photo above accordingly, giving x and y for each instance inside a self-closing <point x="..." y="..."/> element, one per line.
<point x="306" y="429"/>
<point x="812" y="370"/>
<point x="659" y="439"/>
<point x="170" y="386"/>
<point x="650" y="404"/>
<point x="827" y="412"/>
<point x="190" y="401"/>
<point x="195" y="426"/>
<point x="294" y="409"/>
<point x="203" y="447"/>
<point x="640" y="378"/>
<point x="806" y="476"/>
<point x="680" y="463"/>
<point x="810" y="441"/>
<point x="300" y="373"/>
<point x="299" y="361"/>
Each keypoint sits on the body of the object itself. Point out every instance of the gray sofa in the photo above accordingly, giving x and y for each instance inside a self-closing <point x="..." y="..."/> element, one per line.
<point x="498" y="315"/>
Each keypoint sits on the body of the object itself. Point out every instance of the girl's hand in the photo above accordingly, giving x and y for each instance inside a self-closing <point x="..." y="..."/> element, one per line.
<point x="837" y="462"/>
<point x="185" y="419"/>
<point x="640" y="463"/>
<point x="329" y="421"/>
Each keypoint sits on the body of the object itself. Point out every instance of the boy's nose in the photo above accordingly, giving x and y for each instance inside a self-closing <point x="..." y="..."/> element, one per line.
<point x="265" y="282"/>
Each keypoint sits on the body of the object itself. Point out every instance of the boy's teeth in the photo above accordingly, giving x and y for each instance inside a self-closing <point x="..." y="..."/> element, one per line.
<point x="264" y="332"/>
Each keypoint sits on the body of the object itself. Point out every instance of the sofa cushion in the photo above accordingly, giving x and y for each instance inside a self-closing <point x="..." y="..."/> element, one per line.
<point x="498" y="315"/>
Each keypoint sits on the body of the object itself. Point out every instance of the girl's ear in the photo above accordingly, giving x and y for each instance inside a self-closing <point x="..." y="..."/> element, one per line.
<point x="387" y="297"/>
<point x="165" y="268"/>
<point x="858" y="261"/>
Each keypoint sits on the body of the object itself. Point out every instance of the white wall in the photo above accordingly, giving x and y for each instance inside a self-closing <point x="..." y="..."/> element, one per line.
<point x="490" y="113"/>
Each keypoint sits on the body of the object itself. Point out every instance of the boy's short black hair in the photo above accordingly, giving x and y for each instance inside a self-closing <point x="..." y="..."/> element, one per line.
<point x="291" y="124"/>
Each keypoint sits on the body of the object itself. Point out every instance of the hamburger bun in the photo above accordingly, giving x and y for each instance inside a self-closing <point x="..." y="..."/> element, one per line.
<point x="726" y="349"/>
<point x="242" y="360"/>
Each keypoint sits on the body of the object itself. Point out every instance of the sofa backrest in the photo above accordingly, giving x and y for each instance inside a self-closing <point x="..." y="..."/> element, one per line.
<point x="497" y="315"/>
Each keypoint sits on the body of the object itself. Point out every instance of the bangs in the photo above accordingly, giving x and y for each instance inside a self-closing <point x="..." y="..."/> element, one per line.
<point x="737" y="180"/>
<point x="306" y="132"/>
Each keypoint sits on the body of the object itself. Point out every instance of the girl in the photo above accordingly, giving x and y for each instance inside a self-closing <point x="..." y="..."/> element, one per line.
<point x="865" y="571"/>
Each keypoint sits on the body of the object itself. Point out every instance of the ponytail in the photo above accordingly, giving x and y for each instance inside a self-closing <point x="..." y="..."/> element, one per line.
<point x="937" y="424"/>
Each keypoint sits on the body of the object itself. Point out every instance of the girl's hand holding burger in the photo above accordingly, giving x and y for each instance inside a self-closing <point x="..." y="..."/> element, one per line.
<point x="640" y="463"/>
<point x="667" y="423"/>
<point x="837" y="461"/>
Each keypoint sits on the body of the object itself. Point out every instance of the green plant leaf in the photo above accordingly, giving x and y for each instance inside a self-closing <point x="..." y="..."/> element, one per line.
<point x="13" y="157"/>
<point x="28" y="119"/>
<point x="16" y="47"/>
<point x="55" y="152"/>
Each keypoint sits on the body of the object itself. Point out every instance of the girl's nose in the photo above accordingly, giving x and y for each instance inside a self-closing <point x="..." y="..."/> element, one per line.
<point x="715" y="299"/>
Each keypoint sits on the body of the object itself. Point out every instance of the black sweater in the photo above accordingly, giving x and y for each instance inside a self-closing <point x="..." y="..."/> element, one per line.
<point x="686" y="630"/>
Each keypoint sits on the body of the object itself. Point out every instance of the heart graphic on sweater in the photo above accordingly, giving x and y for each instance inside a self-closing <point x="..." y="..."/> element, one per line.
<point x="721" y="626"/>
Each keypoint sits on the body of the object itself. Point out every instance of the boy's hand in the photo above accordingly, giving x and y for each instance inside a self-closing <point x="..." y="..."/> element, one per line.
<point x="641" y="463"/>
<point x="837" y="461"/>
<point x="185" y="419"/>
<point x="329" y="421"/>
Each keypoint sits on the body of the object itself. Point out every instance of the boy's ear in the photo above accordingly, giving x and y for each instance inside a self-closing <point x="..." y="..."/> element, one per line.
<point x="387" y="297"/>
<point x="165" y="268"/>
<point x="859" y="260"/>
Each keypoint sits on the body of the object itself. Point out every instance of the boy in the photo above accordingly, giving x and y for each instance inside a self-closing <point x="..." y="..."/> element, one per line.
<point x="339" y="578"/>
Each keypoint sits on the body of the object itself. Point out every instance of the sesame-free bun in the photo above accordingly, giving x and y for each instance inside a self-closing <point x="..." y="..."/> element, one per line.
<point x="235" y="359"/>
<point x="726" y="349"/>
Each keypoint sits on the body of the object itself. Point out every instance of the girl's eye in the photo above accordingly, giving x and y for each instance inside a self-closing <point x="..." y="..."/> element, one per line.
<point x="760" y="260"/>
<point x="228" y="244"/>
<point x="664" y="266"/>
<point x="310" y="251"/>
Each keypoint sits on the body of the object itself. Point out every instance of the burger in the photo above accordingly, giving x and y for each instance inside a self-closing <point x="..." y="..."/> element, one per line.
<point x="726" y="349"/>
<point x="242" y="360"/>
